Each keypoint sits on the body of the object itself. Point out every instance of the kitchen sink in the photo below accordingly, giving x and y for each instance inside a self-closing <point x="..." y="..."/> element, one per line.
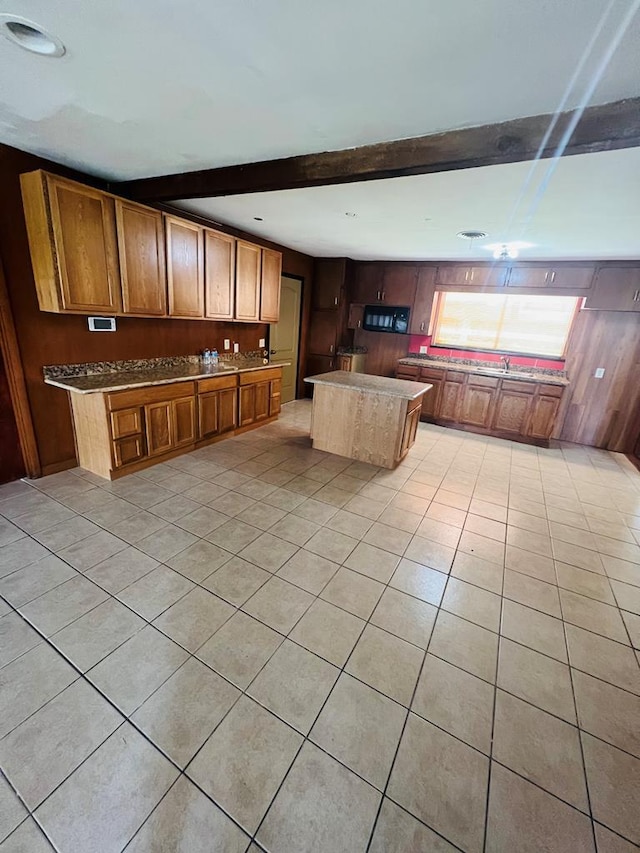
<point x="500" y="371"/>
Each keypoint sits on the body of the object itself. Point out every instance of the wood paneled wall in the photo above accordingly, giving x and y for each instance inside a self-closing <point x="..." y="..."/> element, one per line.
<point x="604" y="412"/>
<point x="59" y="339"/>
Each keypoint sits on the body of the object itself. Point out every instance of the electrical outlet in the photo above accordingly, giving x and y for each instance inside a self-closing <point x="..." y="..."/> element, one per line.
<point x="424" y="350"/>
<point x="599" y="372"/>
<point x="236" y="347"/>
<point x="227" y="343"/>
<point x="261" y="343"/>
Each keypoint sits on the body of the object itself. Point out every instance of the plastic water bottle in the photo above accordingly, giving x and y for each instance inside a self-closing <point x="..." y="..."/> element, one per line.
<point x="214" y="357"/>
<point x="206" y="356"/>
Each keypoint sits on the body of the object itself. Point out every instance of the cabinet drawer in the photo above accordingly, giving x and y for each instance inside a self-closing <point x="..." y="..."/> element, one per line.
<point x="431" y="373"/>
<point x="126" y="422"/>
<point x="217" y="383"/>
<point x="128" y="450"/>
<point x="266" y="375"/>
<point x="518" y="387"/>
<point x="455" y="376"/>
<point x="482" y="381"/>
<point x="149" y="394"/>
<point x="405" y="371"/>
<point x="551" y="390"/>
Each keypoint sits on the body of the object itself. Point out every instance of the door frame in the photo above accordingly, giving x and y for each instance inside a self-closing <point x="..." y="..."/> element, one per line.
<point x="17" y="385"/>
<point x="299" y="383"/>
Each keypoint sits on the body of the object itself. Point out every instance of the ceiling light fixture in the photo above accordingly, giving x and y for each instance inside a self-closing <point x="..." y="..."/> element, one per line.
<point x="471" y="235"/>
<point x="507" y="251"/>
<point x="30" y="36"/>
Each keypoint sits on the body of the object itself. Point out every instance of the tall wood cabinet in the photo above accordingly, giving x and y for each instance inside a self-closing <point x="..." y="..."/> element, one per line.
<point x="220" y="275"/>
<point x="185" y="268"/>
<point x="248" y="268"/>
<point x="142" y="259"/>
<point x="74" y="251"/>
<point x="271" y="273"/>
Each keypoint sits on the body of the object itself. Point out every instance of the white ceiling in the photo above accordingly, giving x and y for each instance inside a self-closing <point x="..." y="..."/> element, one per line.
<point x="590" y="208"/>
<point x="158" y="86"/>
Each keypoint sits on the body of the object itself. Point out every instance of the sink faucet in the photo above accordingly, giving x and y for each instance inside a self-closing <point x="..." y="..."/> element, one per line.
<point x="506" y="360"/>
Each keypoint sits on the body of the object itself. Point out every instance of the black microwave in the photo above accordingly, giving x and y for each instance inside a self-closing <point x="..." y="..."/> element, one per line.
<point x="384" y="318"/>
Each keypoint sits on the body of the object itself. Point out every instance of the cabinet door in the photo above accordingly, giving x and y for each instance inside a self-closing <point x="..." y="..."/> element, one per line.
<point x="219" y="275"/>
<point x="543" y="416"/>
<point x="262" y="396"/>
<point x="84" y="231"/>
<point x="431" y="400"/>
<point x="423" y="303"/>
<point x="128" y="450"/>
<point x="317" y="364"/>
<point x="248" y="259"/>
<point x="185" y="268"/>
<point x="142" y="267"/>
<point x="410" y="429"/>
<point x="227" y="410"/>
<point x="208" y="414"/>
<point x="511" y="412"/>
<point x="159" y="428"/>
<point x="616" y="289"/>
<point x="270" y="286"/>
<point x="247" y="404"/>
<point x="126" y="422"/>
<point x="458" y="274"/>
<point x="569" y="277"/>
<point x="328" y="281"/>
<point x="476" y="408"/>
<point x="450" y="401"/>
<point x="367" y="287"/>
<point x="399" y="285"/>
<point x="275" y="397"/>
<point x="356" y="316"/>
<point x="323" y="333"/>
<point x="184" y="421"/>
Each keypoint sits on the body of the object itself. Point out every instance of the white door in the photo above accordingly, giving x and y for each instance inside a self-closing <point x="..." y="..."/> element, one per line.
<point x="284" y="336"/>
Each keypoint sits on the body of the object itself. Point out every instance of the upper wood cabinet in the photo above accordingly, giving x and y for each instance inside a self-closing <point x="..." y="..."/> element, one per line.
<point x="72" y="238"/>
<point x="219" y="275"/>
<point x="616" y="289"/>
<point x="570" y="277"/>
<point x="399" y="284"/>
<point x="142" y="260"/>
<point x="367" y="286"/>
<point x="472" y="276"/>
<point x="248" y="269"/>
<point x="185" y="268"/>
<point x="421" y="313"/>
<point x="270" y="286"/>
<point x="329" y="276"/>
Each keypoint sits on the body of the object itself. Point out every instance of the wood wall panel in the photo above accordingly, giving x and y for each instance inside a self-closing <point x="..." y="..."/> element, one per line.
<point x="58" y="339"/>
<point x="604" y="412"/>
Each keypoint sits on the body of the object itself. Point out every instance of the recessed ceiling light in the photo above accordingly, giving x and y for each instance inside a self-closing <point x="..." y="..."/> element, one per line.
<point x="351" y="214"/>
<point x="30" y="36"/>
<point x="471" y="235"/>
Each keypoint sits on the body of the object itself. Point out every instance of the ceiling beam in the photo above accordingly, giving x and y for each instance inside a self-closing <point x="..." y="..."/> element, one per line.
<point x="600" y="128"/>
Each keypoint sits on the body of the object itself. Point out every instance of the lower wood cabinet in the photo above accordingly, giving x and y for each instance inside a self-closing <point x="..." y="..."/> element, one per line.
<point x="494" y="405"/>
<point x="410" y="428"/>
<point x="126" y="430"/>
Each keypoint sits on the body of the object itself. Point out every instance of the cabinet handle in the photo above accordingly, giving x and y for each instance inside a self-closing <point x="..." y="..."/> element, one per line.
<point x="331" y="348"/>
<point x="466" y="275"/>
<point x="546" y="277"/>
<point x="384" y="295"/>
<point x="636" y="295"/>
<point x="359" y="323"/>
<point x="335" y="301"/>
<point x="422" y="327"/>
<point x="553" y="276"/>
<point x="470" y="275"/>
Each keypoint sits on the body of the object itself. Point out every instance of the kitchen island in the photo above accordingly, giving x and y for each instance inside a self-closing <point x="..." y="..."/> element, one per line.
<point x="372" y="419"/>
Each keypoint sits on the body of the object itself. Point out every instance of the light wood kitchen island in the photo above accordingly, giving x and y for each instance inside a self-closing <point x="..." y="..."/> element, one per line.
<point x="372" y="419"/>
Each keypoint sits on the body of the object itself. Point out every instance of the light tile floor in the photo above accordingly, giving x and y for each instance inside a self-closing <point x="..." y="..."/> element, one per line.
<point x="258" y="646"/>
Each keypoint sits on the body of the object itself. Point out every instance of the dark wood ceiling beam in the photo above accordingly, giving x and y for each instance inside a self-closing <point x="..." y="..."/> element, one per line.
<point x="601" y="128"/>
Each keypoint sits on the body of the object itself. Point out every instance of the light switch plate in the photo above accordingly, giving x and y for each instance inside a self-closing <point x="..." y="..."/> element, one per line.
<point x="236" y="347"/>
<point x="424" y="350"/>
<point x="599" y="372"/>
<point x="227" y="343"/>
<point x="261" y="343"/>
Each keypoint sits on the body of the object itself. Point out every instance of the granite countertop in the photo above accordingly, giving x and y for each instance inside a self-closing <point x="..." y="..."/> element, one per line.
<point x="374" y="384"/>
<point x="126" y="379"/>
<point x="515" y="373"/>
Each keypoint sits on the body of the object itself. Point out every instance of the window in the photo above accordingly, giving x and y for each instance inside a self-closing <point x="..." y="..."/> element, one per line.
<point x="528" y="325"/>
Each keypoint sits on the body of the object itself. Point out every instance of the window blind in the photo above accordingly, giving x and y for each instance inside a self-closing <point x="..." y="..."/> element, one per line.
<point x="529" y="325"/>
